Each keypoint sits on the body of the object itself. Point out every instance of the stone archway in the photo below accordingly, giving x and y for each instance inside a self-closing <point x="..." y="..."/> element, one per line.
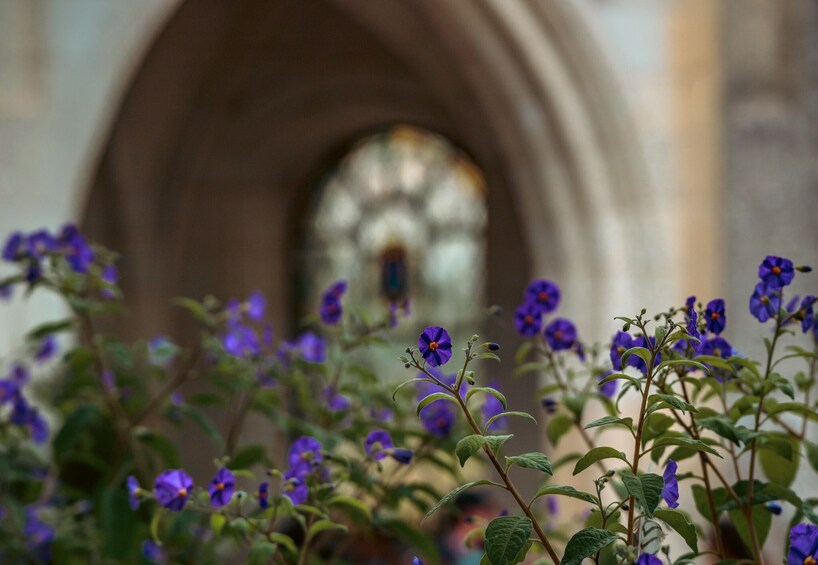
<point x="239" y="106"/>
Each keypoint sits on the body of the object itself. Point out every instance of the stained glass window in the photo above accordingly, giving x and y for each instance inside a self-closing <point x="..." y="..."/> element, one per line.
<point x="402" y="215"/>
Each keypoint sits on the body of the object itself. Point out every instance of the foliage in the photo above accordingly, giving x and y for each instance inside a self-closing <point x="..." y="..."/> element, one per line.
<point x="110" y="480"/>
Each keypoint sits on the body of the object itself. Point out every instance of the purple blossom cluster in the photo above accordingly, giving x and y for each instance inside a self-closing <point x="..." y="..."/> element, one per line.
<point x="542" y="297"/>
<point x="34" y="248"/>
<point x="22" y="413"/>
<point x="174" y="487"/>
<point x="331" y="309"/>
<point x="305" y="458"/>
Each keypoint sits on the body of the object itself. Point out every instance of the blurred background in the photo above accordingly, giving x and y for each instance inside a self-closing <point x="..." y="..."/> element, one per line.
<point x="634" y="151"/>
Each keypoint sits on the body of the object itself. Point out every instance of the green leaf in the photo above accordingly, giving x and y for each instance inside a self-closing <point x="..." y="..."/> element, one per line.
<point x="434" y="397"/>
<point x="778" y="469"/>
<point x="597" y="454"/>
<point x="248" y="456"/>
<point x="506" y="536"/>
<point x="702" y="505"/>
<point x="163" y="447"/>
<point x="261" y="552"/>
<point x="619" y="377"/>
<point x="50" y="328"/>
<point x="812" y="454"/>
<point x="323" y="525"/>
<point x="640" y="352"/>
<point x="205" y="423"/>
<point x="558" y="426"/>
<point x="468" y="446"/>
<point x="407" y="383"/>
<point x="457" y="491"/>
<point x="496" y="442"/>
<point x="762" y="520"/>
<point x="696" y="444"/>
<point x="722" y="426"/>
<point x="611" y="421"/>
<point x="487" y="390"/>
<point x="119" y="523"/>
<point x="532" y="460"/>
<point x="679" y="522"/>
<point x="585" y="543"/>
<point x="646" y="489"/>
<point x="659" y="401"/>
<point x="682" y="362"/>
<point x="561" y="490"/>
<point x="351" y="505"/>
<point x="78" y="425"/>
<point x="285" y="540"/>
<point x="525" y="415"/>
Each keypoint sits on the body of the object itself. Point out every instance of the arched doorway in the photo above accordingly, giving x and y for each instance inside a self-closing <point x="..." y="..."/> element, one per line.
<point x="240" y="106"/>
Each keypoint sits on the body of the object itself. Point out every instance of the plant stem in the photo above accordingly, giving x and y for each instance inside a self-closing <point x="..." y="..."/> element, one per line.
<point x="748" y="508"/>
<point x="509" y="485"/>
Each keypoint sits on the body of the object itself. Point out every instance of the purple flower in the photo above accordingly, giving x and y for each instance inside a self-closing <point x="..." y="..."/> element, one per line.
<point x="806" y="313"/>
<point x="670" y="492"/>
<point x="256" y="305"/>
<point x="714" y="316"/>
<point x="222" y="488"/>
<point x="233" y="310"/>
<point x="38" y="427"/>
<point x="15" y="247"/>
<point x="39" y="243"/>
<point x="717" y="347"/>
<point x="377" y="443"/>
<point x="803" y="545"/>
<point x="9" y="391"/>
<point x="331" y="310"/>
<point x="438" y="418"/>
<point x="549" y="405"/>
<point x="264" y="495"/>
<point x="305" y="454"/>
<point x="19" y="374"/>
<point x="294" y="487"/>
<point x="241" y="341"/>
<point x="648" y="559"/>
<point x="776" y="272"/>
<point x="133" y="492"/>
<point x="416" y="561"/>
<point x="77" y="251"/>
<point x="6" y="290"/>
<point x="153" y="552"/>
<point x="528" y="320"/>
<point x="607" y="389"/>
<point x="334" y="401"/>
<point x="435" y="345"/>
<point x="38" y="534"/>
<point x="622" y="341"/>
<point x="310" y="347"/>
<point x="774" y="508"/>
<point x="560" y="334"/>
<point x="110" y="276"/>
<point x="552" y="504"/>
<point x="172" y="489"/>
<point x="337" y="289"/>
<point x="543" y="295"/>
<point x="765" y="302"/>
<point x="491" y="407"/>
<point x="47" y="348"/>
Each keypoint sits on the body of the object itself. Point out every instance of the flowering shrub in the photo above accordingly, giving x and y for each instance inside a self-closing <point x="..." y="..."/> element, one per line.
<point x="111" y="481"/>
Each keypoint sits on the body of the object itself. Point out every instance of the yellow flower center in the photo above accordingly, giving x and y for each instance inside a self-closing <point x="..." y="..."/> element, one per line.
<point x="542" y="297"/>
<point x="433" y="346"/>
<point x="808" y="560"/>
<point x="182" y="492"/>
<point x="220" y="486"/>
<point x="777" y="271"/>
